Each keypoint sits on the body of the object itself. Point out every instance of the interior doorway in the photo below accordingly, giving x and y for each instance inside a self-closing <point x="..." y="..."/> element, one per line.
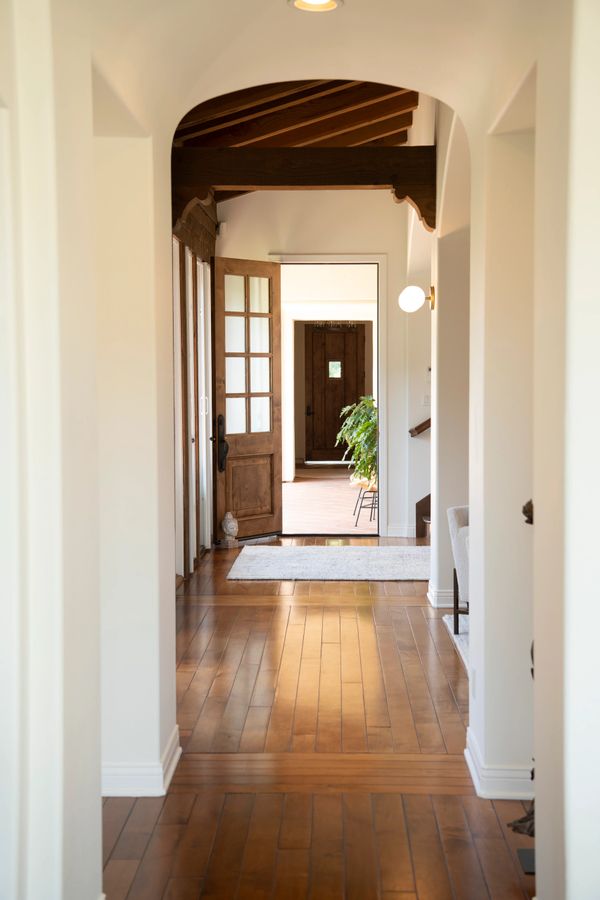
<point x="329" y="363"/>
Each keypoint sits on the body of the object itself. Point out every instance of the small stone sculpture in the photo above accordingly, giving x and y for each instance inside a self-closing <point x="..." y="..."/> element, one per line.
<point x="230" y="529"/>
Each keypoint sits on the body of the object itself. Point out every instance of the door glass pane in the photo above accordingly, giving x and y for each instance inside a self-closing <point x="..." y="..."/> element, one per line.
<point x="235" y="415"/>
<point x="259" y="335"/>
<point x="259" y="294"/>
<point x="260" y="413"/>
<point x="260" y="380"/>
<point x="234" y="293"/>
<point x="335" y="368"/>
<point x="235" y="334"/>
<point x="235" y="375"/>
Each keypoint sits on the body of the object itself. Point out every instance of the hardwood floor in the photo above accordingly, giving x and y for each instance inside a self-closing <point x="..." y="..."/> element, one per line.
<point x="323" y="726"/>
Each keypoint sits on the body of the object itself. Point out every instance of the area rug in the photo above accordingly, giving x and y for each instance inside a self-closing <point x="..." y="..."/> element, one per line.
<point x="344" y="563"/>
<point x="460" y="640"/>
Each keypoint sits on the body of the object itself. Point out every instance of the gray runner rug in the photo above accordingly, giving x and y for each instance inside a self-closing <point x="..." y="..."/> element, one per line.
<point x="331" y="564"/>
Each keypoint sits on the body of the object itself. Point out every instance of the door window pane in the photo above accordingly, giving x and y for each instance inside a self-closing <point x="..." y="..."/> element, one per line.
<point x="259" y="294"/>
<point x="235" y="375"/>
<point x="235" y="415"/>
<point x="235" y="334"/>
<point x="260" y="413"/>
<point x="234" y="293"/>
<point x="260" y="381"/>
<point x="259" y="335"/>
<point x="335" y="368"/>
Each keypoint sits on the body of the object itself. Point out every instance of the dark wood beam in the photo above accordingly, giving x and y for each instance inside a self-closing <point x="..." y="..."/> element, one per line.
<point x="292" y="101"/>
<point x="315" y="109"/>
<point x="409" y="171"/>
<point x="245" y="99"/>
<point x="341" y="122"/>
<point x="367" y="133"/>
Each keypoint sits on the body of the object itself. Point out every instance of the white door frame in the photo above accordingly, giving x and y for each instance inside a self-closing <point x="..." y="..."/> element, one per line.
<point x="381" y="261"/>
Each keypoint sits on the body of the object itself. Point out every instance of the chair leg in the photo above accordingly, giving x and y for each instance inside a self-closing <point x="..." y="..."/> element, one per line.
<point x="456" y="602"/>
<point x="358" y="499"/>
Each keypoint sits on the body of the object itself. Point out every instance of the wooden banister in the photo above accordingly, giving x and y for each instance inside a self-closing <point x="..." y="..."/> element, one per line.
<point x="420" y="428"/>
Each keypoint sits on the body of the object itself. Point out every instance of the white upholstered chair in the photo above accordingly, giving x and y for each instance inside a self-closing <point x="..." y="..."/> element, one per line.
<point x="458" y="522"/>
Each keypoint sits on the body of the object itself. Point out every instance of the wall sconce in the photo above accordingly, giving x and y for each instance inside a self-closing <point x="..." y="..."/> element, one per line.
<point x="316" y="5"/>
<point x="412" y="298"/>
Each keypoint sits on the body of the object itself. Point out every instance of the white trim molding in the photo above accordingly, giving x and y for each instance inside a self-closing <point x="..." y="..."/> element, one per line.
<point x="496" y="782"/>
<point x="402" y="531"/>
<point x="142" y="779"/>
<point x="441" y="599"/>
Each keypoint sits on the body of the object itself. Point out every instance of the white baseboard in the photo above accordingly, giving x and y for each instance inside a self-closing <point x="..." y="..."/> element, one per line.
<point x="441" y="599"/>
<point x="496" y="782"/>
<point x="404" y="531"/>
<point x="142" y="779"/>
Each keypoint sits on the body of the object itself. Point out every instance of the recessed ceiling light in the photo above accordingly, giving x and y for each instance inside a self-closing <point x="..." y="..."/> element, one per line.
<point x="316" y="5"/>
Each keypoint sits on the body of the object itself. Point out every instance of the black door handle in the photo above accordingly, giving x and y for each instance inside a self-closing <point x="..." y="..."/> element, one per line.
<point x="222" y="445"/>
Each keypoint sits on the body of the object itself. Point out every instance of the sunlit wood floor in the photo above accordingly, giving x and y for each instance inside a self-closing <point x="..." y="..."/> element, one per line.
<point x="323" y="726"/>
<point x="321" y="500"/>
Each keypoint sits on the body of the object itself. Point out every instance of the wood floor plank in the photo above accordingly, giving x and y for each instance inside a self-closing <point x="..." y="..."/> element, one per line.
<point x="307" y="704"/>
<point x="359" y="848"/>
<point x="254" y="734"/>
<point x="459" y="848"/>
<point x="327" y="851"/>
<point x="153" y="873"/>
<point x="115" y="813"/>
<point x="393" y="850"/>
<point x="350" y="656"/>
<point x="291" y="875"/>
<point x="118" y="877"/>
<point x="182" y="889"/>
<point x="193" y="851"/>
<point x="260" y="854"/>
<point x="354" y="727"/>
<point x="331" y="626"/>
<point x="329" y="725"/>
<point x="279" y="733"/>
<point x="374" y="689"/>
<point x="431" y="875"/>
<point x="225" y="861"/>
<point x="136" y="834"/>
<point x="296" y="824"/>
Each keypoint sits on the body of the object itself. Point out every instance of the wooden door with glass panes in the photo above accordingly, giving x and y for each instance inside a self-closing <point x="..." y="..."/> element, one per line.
<point x="247" y="395"/>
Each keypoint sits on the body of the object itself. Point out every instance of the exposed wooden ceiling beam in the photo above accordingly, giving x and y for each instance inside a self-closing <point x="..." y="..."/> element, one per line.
<point x="237" y="101"/>
<point x="341" y="122"/>
<point x="395" y="139"/>
<point x="364" y="134"/>
<point x="293" y="101"/>
<point x="312" y="110"/>
<point x="408" y="171"/>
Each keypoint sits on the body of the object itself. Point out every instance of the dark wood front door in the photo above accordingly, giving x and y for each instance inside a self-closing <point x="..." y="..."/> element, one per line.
<point x="335" y="377"/>
<point x="247" y="394"/>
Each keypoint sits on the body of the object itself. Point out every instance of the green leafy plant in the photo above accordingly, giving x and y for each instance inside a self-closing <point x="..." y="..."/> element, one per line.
<point x="359" y="432"/>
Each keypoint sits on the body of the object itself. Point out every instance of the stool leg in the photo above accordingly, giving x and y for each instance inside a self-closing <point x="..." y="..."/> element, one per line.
<point x="456" y="600"/>
<point x="360" y="492"/>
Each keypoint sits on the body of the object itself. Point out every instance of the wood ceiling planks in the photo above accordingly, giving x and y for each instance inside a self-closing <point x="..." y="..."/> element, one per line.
<point x="292" y="114"/>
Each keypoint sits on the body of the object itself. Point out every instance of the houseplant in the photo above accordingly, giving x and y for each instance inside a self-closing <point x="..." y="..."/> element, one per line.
<point x="359" y="432"/>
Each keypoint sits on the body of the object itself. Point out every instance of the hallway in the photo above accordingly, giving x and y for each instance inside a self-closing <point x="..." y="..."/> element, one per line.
<point x="322" y="726"/>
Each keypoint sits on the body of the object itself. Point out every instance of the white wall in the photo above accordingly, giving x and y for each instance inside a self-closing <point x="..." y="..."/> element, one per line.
<point x="333" y="223"/>
<point x="582" y="562"/>
<point x="50" y="832"/>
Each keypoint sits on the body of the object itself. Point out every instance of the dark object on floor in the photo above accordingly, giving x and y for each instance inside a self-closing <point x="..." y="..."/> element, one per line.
<point x="527" y="860"/>
<point x="526" y="824"/>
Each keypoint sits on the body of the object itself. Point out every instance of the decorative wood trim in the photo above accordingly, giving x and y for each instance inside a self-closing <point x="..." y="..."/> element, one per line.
<point x="195" y="223"/>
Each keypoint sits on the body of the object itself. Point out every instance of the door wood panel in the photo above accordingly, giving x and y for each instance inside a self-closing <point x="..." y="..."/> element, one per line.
<point x="328" y="390"/>
<point x="247" y="394"/>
